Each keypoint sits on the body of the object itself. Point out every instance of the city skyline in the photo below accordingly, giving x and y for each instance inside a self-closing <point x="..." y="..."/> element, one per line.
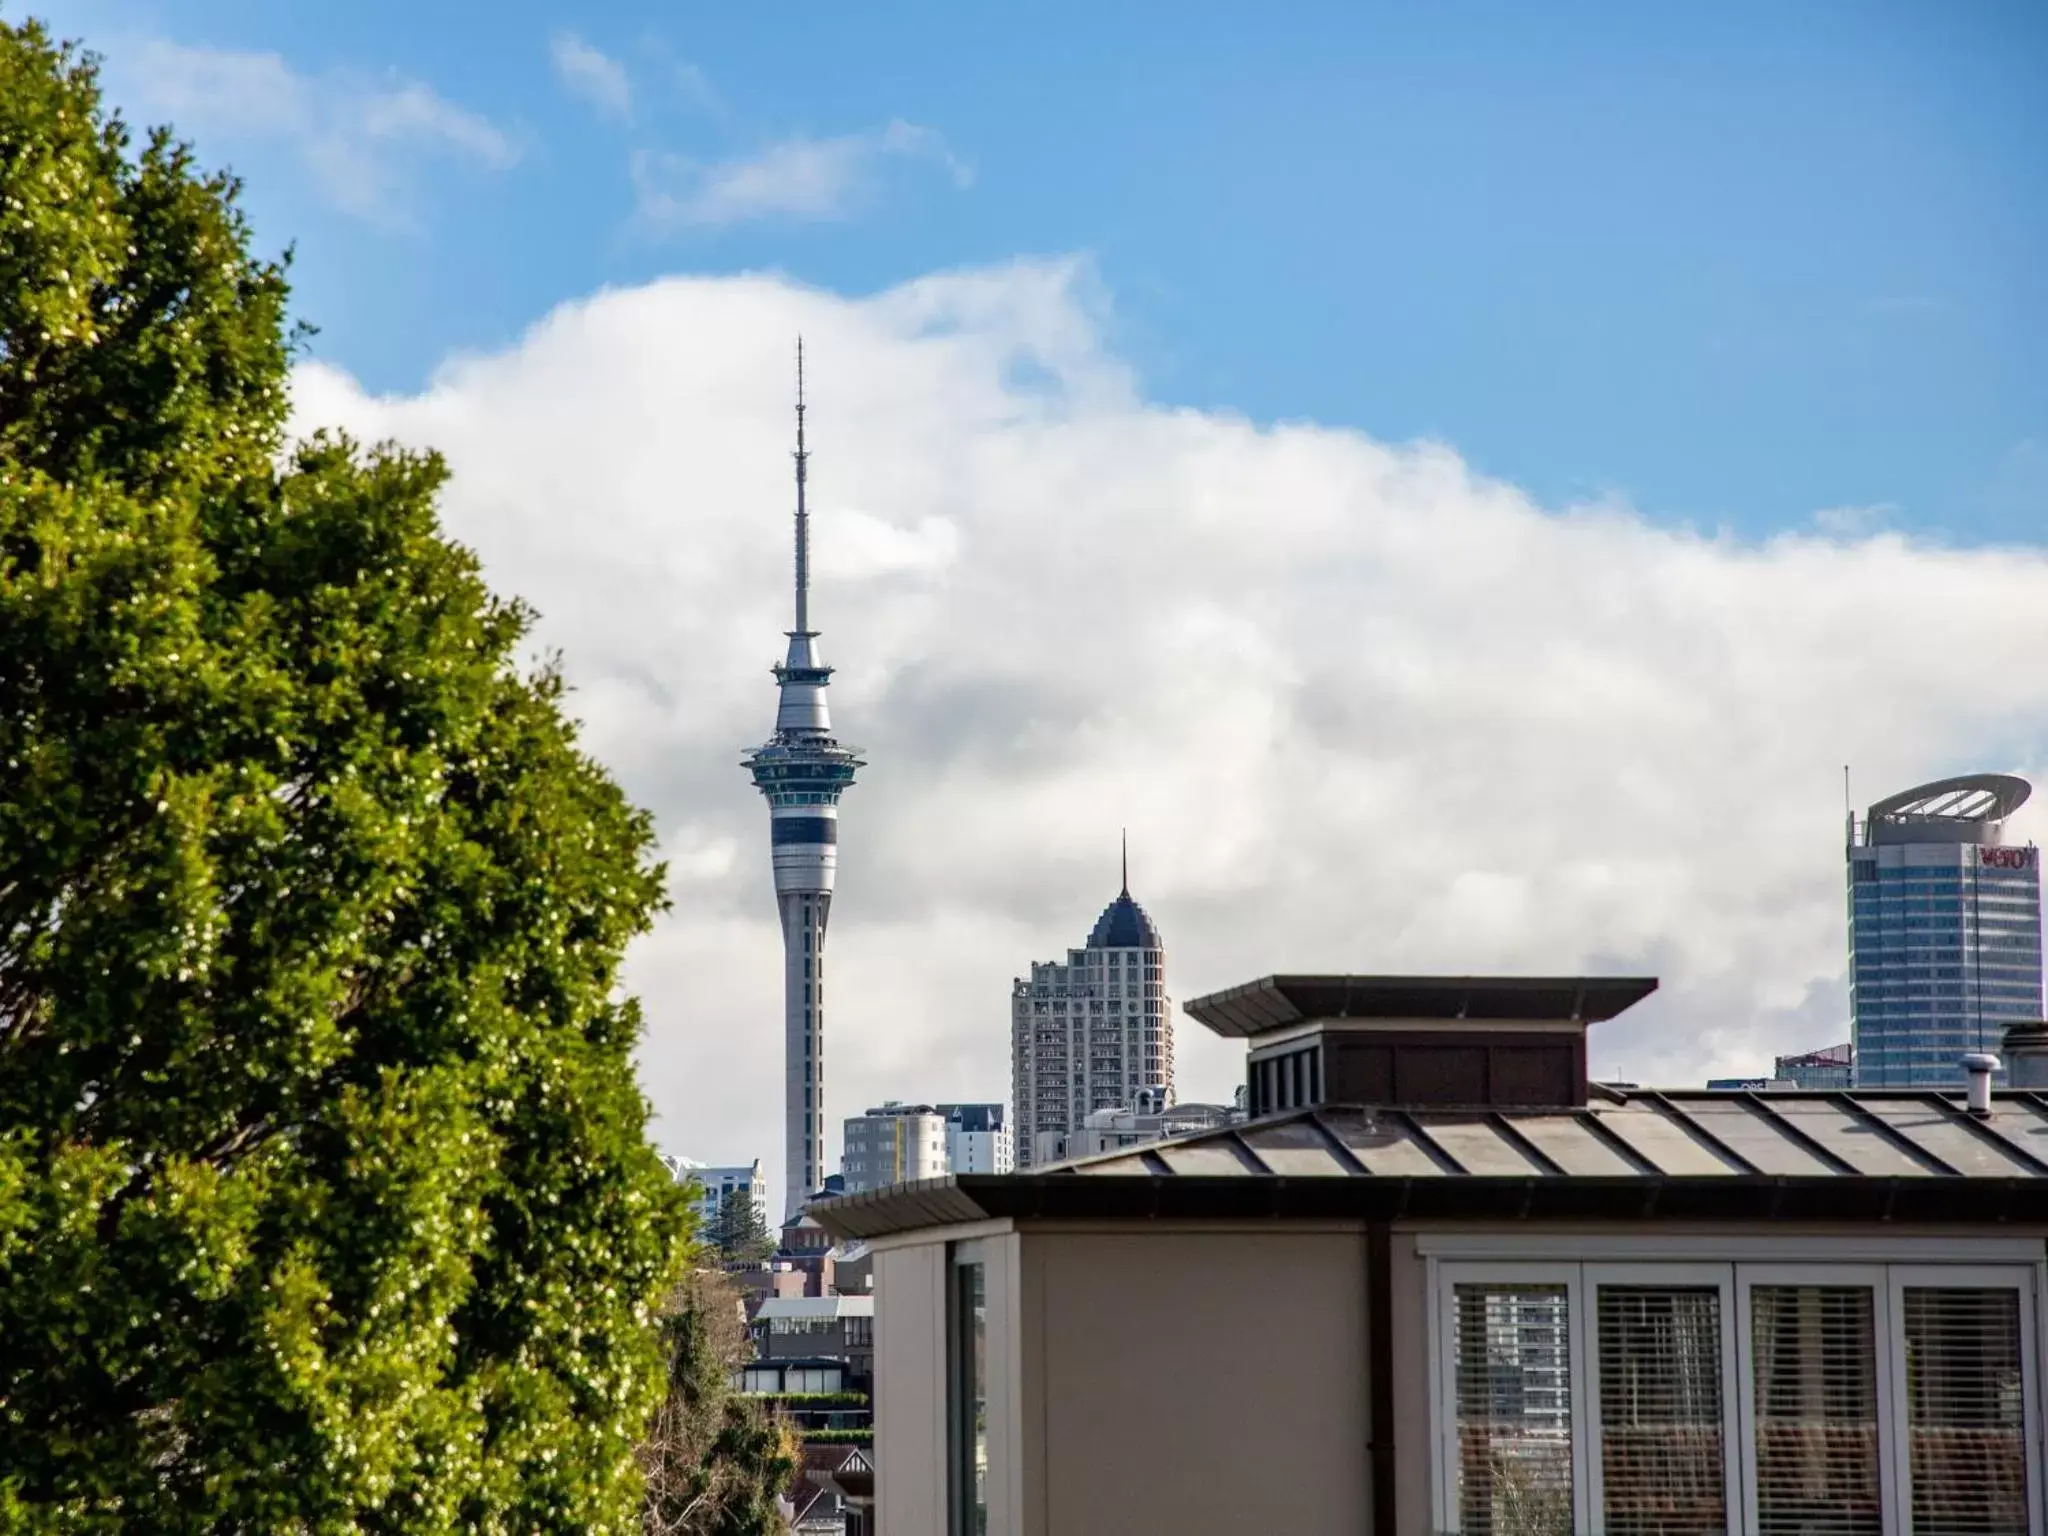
<point x="1373" y="691"/>
<point x="1438" y="498"/>
<point x="1068" y="620"/>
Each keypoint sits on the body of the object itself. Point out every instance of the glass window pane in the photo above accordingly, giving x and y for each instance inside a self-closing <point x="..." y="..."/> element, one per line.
<point x="1663" y="1465"/>
<point x="1813" y="1353"/>
<point x="1512" y="1353"/>
<point x="969" y="1407"/>
<point x="1965" y="1417"/>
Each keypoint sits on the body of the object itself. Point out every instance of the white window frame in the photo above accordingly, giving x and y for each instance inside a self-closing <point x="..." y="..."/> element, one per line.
<point x="1891" y="1476"/>
<point x="2026" y="1279"/>
<point x="1632" y="1263"/>
<point x="1444" y="1378"/>
<point x="1721" y="1278"/>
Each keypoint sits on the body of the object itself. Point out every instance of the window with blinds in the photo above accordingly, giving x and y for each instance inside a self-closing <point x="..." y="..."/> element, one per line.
<point x="1512" y="1374"/>
<point x="1813" y="1361"/>
<point x="1663" y="1454"/>
<point x="1965" y="1411"/>
<point x="1851" y="1399"/>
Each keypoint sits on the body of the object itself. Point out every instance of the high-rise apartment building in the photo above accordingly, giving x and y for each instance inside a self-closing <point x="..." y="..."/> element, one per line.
<point x="1944" y="930"/>
<point x="716" y="1183"/>
<point x="1090" y="1033"/>
<point x="977" y="1138"/>
<point x="802" y="770"/>
<point x="893" y="1144"/>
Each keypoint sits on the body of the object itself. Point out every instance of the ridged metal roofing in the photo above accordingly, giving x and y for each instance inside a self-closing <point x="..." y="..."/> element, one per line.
<point x="1686" y="1154"/>
<point x="1681" y="1134"/>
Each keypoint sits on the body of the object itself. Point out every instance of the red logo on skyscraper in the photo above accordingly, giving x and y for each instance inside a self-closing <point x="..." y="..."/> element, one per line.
<point x="2008" y="858"/>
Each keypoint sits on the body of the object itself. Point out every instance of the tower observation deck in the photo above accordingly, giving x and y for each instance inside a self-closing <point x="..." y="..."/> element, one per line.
<point x="803" y="769"/>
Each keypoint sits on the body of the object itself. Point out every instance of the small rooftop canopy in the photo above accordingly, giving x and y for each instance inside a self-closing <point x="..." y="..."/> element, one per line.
<point x="1278" y="1002"/>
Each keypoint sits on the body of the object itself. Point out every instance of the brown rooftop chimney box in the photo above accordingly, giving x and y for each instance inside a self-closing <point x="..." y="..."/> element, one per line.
<point x="1494" y="1042"/>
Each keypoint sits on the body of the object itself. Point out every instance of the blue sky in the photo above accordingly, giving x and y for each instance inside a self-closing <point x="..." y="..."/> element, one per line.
<point x="1737" y="264"/>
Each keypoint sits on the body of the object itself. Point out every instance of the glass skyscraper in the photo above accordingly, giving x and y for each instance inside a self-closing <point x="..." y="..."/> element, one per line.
<point x="1944" y="930"/>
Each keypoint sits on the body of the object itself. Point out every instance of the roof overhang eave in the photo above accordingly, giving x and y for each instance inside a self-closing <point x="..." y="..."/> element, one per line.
<point x="1832" y="1199"/>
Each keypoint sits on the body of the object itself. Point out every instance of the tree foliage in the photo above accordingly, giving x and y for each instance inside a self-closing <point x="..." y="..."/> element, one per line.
<point x="325" y="1199"/>
<point x="739" y="1232"/>
<point x="715" y="1462"/>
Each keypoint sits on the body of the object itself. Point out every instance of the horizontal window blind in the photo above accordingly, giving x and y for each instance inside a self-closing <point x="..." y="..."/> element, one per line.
<point x="1663" y="1467"/>
<point x="1813" y="1355"/>
<point x="1512" y="1369"/>
<point x="1965" y="1412"/>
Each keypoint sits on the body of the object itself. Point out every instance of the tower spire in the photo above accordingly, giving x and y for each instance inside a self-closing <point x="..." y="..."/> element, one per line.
<point x="803" y="517"/>
<point x="1127" y="860"/>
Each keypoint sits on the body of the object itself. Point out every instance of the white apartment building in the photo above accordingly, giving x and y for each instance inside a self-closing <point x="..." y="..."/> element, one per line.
<point x="893" y="1144"/>
<point x="977" y="1138"/>
<point x="1091" y="1033"/>
<point x="718" y="1182"/>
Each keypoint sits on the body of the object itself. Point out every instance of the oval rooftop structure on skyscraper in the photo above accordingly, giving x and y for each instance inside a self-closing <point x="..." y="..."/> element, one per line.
<point x="1960" y="809"/>
<point x="1123" y="925"/>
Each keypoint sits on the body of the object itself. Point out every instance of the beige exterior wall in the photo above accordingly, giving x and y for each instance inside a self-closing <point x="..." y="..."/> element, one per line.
<point x="1408" y="1288"/>
<point x="1207" y="1384"/>
<point x="910" y="1390"/>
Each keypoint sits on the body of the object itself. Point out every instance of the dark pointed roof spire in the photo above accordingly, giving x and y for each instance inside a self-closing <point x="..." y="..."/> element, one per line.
<point x="1124" y="924"/>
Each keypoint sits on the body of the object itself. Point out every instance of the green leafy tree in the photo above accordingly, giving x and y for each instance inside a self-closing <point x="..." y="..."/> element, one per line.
<point x="325" y="1198"/>
<point x="739" y="1233"/>
<point x="715" y="1462"/>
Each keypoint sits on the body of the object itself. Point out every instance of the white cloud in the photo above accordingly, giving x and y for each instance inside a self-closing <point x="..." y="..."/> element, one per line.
<point x="360" y="137"/>
<point x="795" y="178"/>
<point x="1853" y="522"/>
<point x="591" y="74"/>
<point x="1361" y="708"/>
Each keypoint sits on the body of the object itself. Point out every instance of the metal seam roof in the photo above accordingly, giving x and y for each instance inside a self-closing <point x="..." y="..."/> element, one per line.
<point x="2007" y="1181"/>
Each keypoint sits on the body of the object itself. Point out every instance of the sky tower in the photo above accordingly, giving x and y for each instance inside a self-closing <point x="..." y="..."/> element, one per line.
<point x="803" y="771"/>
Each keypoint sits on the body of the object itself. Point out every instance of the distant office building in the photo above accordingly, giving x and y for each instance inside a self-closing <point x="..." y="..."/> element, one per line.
<point x="977" y="1138"/>
<point x="1090" y="1033"/>
<point x="1944" y="930"/>
<point x="1833" y="1067"/>
<point x="1109" y="1130"/>
<point x="893" y="1144"/>
<point x="718" y="1182"/>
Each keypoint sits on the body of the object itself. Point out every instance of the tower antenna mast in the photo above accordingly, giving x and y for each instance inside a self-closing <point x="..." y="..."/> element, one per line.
<point x="803" y="516"/>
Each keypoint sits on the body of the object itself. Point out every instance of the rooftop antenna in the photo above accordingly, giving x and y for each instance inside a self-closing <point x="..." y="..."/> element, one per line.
<point x="1127" y="860"/>
<point x="803" y="517"/>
